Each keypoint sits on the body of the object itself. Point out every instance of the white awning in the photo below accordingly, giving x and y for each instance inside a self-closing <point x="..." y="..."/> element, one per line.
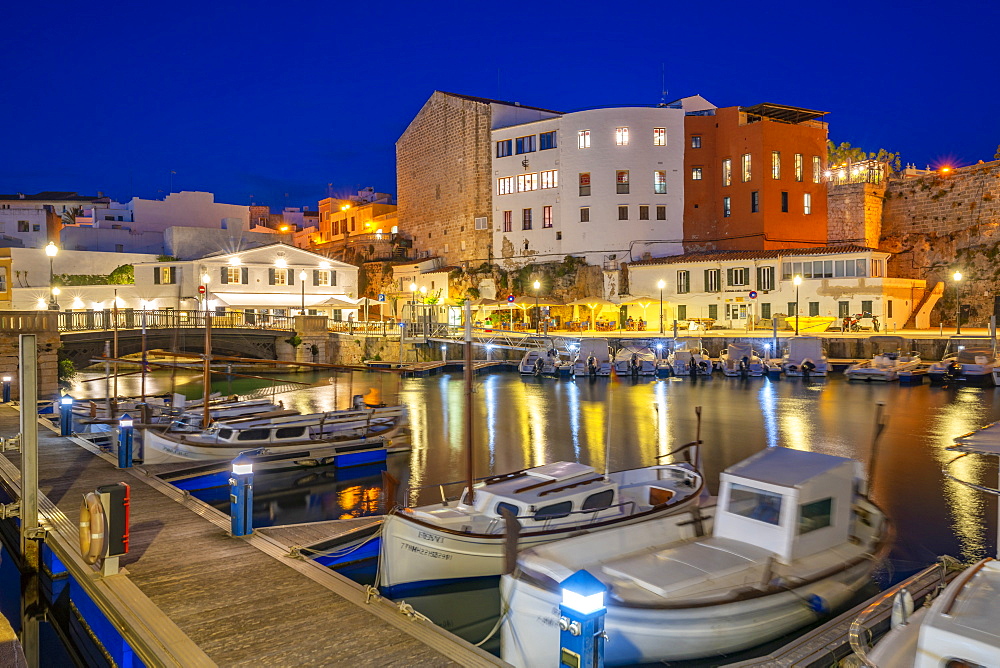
<point x="279" y="300"/>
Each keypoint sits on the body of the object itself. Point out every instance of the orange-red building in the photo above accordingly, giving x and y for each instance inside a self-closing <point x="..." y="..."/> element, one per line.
<point x="754" y="178"/>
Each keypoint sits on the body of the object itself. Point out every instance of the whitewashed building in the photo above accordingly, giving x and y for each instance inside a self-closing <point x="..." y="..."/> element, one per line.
<point x="272" y="280"/>
<point x="733" y="289"/>
<point x="604" y="184"/>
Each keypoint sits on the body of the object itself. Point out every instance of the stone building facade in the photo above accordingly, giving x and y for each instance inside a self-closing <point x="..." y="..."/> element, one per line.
<point x="443" y="174"/>
<point x="934" y="225"/>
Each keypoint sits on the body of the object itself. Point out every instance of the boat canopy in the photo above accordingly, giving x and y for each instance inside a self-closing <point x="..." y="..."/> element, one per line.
<point x="802" y="347"/>
<point x="688" y="343"/>
<point x="737" y="351"/>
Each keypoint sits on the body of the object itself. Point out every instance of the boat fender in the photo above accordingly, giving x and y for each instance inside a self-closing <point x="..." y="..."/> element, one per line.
<point x="817" y="604"/>
<point x="92" y="525"/>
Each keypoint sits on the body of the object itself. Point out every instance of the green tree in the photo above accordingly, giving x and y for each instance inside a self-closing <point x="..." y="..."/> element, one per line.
<point x="996" y="156"/>
<point x="123" y="275"/>
<point x="838" y="154"/>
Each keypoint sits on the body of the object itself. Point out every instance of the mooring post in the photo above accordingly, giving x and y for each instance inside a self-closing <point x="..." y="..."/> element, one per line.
<point x="65" y="415"/>
<point x="30" y="552"/>
<point x="241" y="496"/>
<point x="125" y="429"/>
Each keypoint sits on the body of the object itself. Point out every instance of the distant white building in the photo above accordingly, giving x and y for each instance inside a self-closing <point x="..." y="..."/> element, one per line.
<point x="188" y="209"/>
<point x="604" y="184"/>
<point x="735" y="288"/>
<point x="27" y="227"/>
<point x="276" y="279"/>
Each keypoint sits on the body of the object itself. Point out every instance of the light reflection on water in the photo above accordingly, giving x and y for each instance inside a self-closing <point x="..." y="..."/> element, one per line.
<point x="521" y="422"/>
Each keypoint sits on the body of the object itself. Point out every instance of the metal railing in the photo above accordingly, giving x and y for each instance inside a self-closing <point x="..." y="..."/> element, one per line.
<point x="86" y="321"/>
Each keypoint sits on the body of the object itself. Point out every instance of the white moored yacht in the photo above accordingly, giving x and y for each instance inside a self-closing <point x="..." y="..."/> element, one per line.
<point x="594" y="358"/>
<point x="969" y="358"/>
<point x="739" y="359"/>
<point x="689" y="354"/>
<point x="792" y="540"/>
<point x="803" y="355"/>
<point x="456" y="539"/>
<point x="635" y="360"/>
<point x="888" y="361"/>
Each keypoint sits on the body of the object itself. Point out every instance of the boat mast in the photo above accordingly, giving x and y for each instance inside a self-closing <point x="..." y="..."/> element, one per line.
<point x="114" y="314"/>
<point x="468" y="403"/>
<point x="206" y="379"/>
<point x="142" y="386"/>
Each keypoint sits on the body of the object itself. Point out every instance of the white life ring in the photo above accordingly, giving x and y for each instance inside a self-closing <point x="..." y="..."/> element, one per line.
<point x="93" y="528"/>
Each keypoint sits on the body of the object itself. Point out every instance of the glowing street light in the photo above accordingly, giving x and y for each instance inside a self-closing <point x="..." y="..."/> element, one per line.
<point x="51" y="250"/>
<point x="797" y="281"/>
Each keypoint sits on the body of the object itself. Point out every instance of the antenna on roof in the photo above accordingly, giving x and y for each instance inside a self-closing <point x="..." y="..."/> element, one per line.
<point x="663" y="85"/>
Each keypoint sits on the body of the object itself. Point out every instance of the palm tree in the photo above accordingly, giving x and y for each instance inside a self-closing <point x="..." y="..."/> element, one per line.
<point x="69" y="215"/>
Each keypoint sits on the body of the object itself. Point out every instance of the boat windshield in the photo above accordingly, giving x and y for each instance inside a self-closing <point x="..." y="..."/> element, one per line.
<point x="982" y="345"/>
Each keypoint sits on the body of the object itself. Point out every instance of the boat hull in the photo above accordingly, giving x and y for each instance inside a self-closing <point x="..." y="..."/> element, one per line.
<point x="642" y="634"/>
<point x="417" y="553"/>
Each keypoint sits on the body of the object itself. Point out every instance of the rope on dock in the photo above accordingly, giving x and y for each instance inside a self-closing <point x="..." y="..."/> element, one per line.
<point x="408" y="610"/>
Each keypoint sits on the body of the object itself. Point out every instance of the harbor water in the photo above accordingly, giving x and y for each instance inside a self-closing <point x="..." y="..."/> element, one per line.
<point x="526" y="421"/>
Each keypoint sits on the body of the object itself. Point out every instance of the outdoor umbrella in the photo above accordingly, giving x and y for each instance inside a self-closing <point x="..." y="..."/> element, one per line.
<point x="592" y="303"/>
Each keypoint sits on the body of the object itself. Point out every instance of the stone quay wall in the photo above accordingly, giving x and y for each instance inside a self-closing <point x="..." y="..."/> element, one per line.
<point x="43" y="324"/>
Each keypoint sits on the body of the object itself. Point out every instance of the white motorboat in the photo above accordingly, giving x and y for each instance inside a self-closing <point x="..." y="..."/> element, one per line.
<point x="804" y="355"/>
<point x="792" y="540"/>
<point x="972" y="359"/>
<point x="458" y="539"/>
<point x="888" y="361"/>
<point x="740" y="359"/>
<point x="956" y="628"/>
<point x="689" y="354"/>
<point x="593" y="358"/>
<point x="320" y="435"/>
<point x="532" y="363"/>
<point x="635" y="360"/>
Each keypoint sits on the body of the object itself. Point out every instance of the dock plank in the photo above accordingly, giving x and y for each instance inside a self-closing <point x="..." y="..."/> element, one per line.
<point x="240" y="605"/>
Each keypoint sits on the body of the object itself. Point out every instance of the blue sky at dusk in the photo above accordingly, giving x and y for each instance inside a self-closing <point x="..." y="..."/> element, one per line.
<point x="275" y="101"/>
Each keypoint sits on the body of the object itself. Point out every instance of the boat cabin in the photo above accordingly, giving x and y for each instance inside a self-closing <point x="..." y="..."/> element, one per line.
<point x="791" y="502"/>
<point x="550" y="492"/>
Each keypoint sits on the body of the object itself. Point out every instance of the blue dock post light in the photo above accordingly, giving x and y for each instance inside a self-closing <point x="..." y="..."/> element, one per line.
<point x="241" y="496"/>
<point x="6" y="389"/>
<point x="65" y="413"/>
<point x="581" y="621"/>
<point x="125" y="441"/>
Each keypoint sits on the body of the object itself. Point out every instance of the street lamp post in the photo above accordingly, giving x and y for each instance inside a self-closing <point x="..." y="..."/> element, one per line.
<point x="51" y="249"/>
<point x="302" y="280"/>
<point x="413" y="301"/>
<point x="957" y="276"/>
<point x="538" y="316"/>
<point x="798" y="281"/>
<point x="661" y="284"/>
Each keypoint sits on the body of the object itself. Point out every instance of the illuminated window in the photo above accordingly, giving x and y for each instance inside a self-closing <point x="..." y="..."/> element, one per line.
<point x="550" y="178"/>
<point x="623" y="213"/>
<point x="547" y="140"/>
<point x="798" y="166"/>
<point x="527" y="182"/>
<point x="660" y="182"/>
<point x="584" y="214"/>
<point x="279" y="276"/>
<point x="807" y="203"/>
<point x="696" y="173"/>
<point x="525" y="144"/>
<point x="504" y="148"/>
<point x="659" y="136"/>
<point x="727" y="172"/>
<point x="621" y="136"/>
<point x="727" y="207"/>
<point x="775" y="165"/>
<point x="321" y="277"/>
<point x="584" y="184"/>
<point x="234" y="274"/>
<point x="505" y="185"/>
<point x="508" y="221"/>
<point x="695" y="141"/>
<point x="583" y="139"/>
<point x="621" y="181"/>
<point x="817" y="171"/>
<point x="746" y="167"/>
<point x="525" y="219"/>
<point x="546" y="216"/>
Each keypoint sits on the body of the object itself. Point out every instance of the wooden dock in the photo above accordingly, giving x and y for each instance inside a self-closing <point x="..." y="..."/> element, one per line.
<point x="192" y="595"/>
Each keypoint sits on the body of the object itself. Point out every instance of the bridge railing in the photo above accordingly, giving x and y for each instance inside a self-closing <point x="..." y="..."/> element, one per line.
<point x="87" y="321"/>
<point x="372" y="328"/>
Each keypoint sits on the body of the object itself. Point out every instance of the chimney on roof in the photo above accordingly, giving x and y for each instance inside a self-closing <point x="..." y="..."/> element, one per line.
<point x="20" y="195"/>
<point x="100" y="194"/>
